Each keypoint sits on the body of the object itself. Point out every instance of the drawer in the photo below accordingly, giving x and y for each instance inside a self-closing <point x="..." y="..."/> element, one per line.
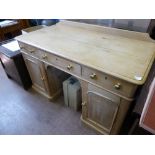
<point x="108" y="82"/>
<point x="49" y="57"/>
<point x="30" y="50"/>
<point x="62" y="63"/>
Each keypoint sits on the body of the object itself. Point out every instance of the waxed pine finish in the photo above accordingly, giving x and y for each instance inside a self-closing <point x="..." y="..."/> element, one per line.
<point x="109" y="63"/>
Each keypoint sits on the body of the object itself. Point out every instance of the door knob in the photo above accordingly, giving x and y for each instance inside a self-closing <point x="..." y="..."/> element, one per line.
<point x="42" y="78"/>
<point x="83" y="103"/>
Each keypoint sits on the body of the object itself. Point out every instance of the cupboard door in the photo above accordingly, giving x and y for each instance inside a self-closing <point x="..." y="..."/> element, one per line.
<point x="35" y="70"/>
<point x="102" y="108"/>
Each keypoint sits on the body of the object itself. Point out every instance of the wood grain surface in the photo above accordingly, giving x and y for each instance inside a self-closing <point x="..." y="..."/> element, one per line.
<point x="120" y="53"/>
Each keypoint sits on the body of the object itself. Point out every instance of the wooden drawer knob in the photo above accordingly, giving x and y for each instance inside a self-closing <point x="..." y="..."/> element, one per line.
<point x="44" y="56"/>
<point x="22" y="48"/>
<point x="69" y="67"/>
<point x="93" y="76"/>
<point x="31" y="51"/>
<point x="117" y="86"/>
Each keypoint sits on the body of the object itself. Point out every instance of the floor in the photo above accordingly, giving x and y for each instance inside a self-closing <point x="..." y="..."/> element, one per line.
<point x="28" y="113"/>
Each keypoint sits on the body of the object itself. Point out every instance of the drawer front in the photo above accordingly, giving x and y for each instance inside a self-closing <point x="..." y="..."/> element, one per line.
<point x="62" y="63"/>
<point x="33" y="51"/>
<point x="108" y="82"/>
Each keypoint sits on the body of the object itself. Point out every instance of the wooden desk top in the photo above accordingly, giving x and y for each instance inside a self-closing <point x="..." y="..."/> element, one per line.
<point x="124" y="54"/>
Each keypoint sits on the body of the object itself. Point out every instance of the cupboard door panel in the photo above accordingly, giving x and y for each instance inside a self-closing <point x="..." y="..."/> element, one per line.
<point x="35" y="71"/>
<point x="101" y="110"/>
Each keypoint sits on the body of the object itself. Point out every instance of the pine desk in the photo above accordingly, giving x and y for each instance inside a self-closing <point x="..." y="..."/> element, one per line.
<point x="109" y="63"/>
